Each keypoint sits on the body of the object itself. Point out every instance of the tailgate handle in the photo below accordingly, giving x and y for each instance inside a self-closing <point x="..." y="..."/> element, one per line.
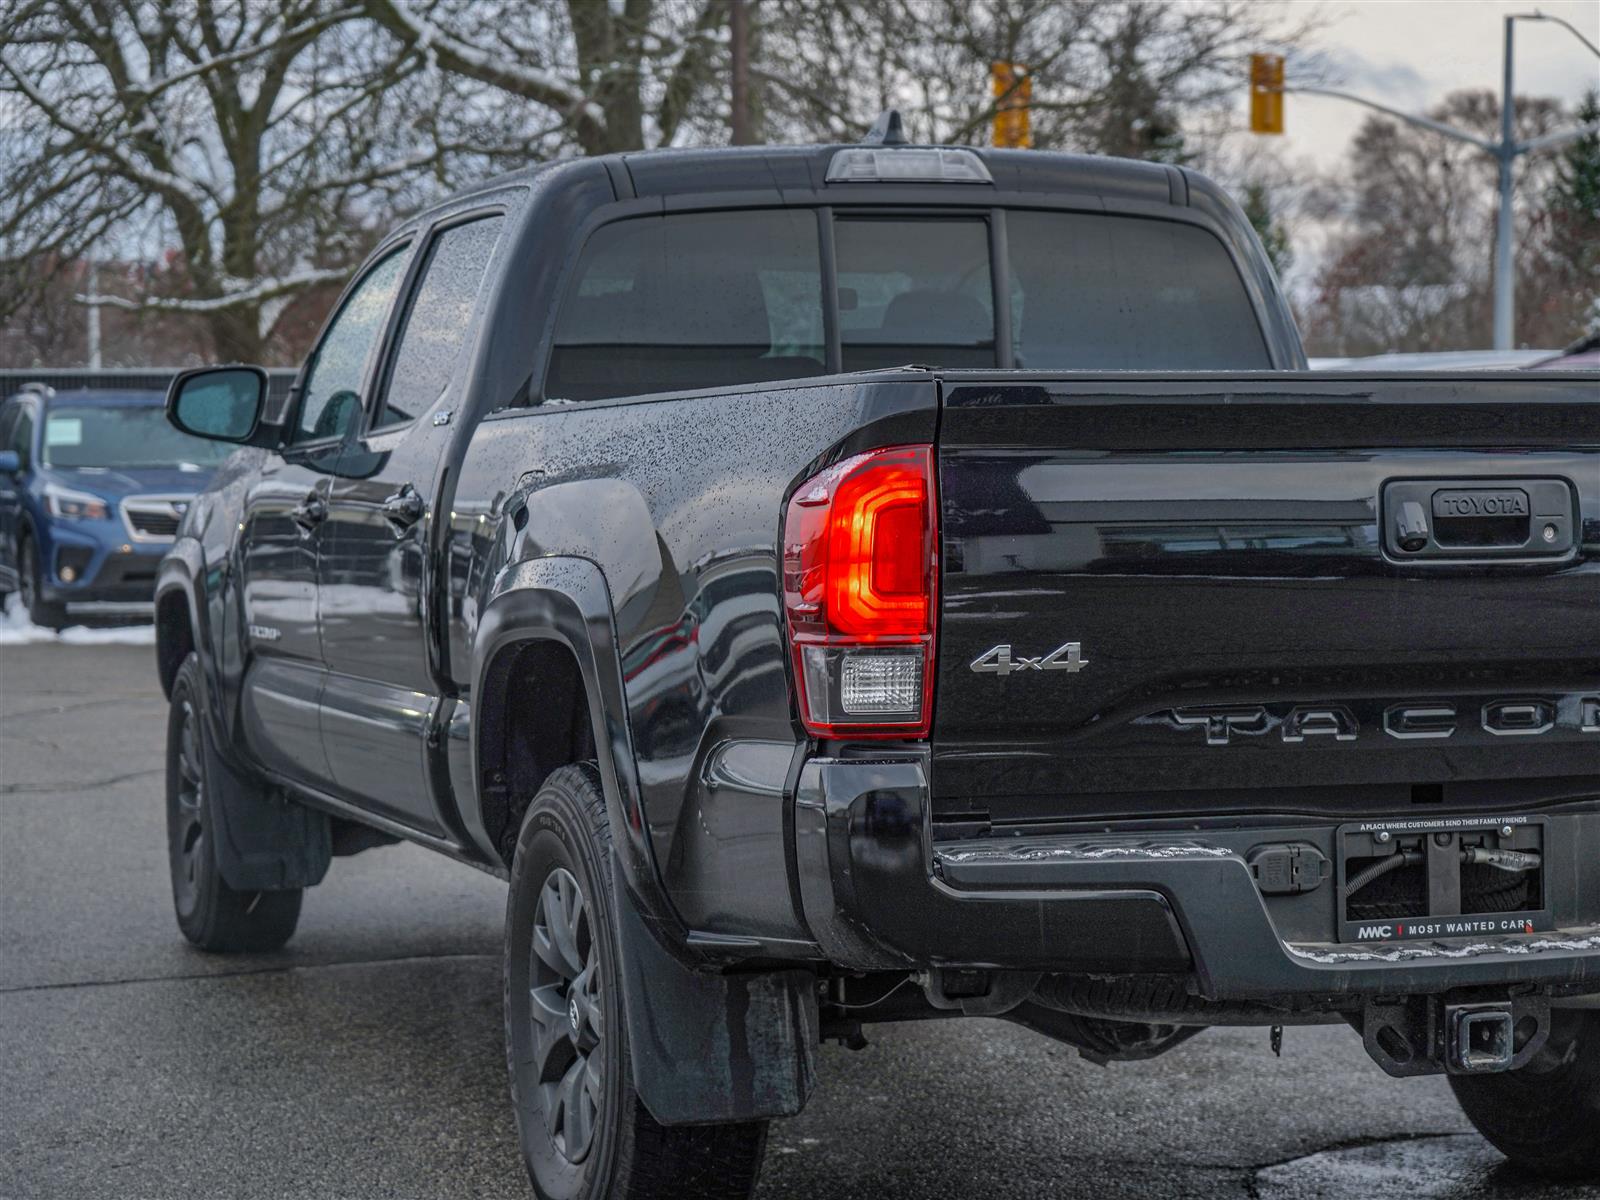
<point x="1481" y="516"/>
<point x="1475" y="518"/>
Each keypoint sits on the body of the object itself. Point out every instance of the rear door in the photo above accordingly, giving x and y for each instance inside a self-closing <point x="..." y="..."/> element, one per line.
<point x="285" y="510"/>
<point x="1206" y="595"/>
<point x="375" y="579"/>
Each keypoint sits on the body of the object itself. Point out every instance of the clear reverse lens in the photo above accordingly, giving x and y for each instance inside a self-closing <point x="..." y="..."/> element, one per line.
<point x="881" y="683"/>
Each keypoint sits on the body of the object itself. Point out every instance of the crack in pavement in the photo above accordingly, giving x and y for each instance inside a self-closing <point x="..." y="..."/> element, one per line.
<point x="101" y="701"/>
<point x="39" y="789"/>
<point x="266" y="969"/>
<point x="1360" y="1143"/>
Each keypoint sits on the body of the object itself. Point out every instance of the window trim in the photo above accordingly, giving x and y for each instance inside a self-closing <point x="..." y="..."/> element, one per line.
<point x="405" y="243"/>
<point x="411" y="283"/>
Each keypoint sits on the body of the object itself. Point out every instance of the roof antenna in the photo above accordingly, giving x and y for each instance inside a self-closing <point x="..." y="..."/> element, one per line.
<point x="887" y="130"/>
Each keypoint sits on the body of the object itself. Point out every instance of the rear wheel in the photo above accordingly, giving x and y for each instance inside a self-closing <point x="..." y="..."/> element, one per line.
<point x="1545" y="1117"/>
<point x="210" y="914"/>
<point x="585" y="1134"/>
<point x="44" y="613"/>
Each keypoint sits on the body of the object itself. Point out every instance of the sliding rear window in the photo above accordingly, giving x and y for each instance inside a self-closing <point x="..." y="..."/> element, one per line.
<point x="691" y="301"/>
<point x="914" y="290"/>
<point x="1092" y="291"/>
<point x="699" y="300"/>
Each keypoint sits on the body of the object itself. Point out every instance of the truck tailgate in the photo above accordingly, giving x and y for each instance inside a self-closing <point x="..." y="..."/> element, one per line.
<point x="1260" y="623"/>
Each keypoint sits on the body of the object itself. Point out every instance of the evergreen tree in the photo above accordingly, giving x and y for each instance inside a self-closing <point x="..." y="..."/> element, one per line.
<point x="1572" y="205"/>
<point x="1274" y="237"/>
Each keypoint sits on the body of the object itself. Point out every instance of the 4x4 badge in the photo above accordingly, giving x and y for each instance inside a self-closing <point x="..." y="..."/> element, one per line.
<point x="998" y="661"/>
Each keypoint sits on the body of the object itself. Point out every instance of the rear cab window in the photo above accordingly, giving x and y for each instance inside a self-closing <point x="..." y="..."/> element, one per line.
<point x="699" y="300"/>
<point x="914" y="290"/>
<point x="1093" y="291"/>
<point x="693" y="301"/>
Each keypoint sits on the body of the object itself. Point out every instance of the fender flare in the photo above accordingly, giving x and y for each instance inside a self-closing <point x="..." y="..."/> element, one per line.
<point x="182" y="569"/>
<point x="705" y="1047"/>
<point x="565" y="599"/>
<point x="263" y="842"/>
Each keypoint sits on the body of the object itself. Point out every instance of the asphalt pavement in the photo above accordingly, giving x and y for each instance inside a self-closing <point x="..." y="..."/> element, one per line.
<point x="365" y="1060"/>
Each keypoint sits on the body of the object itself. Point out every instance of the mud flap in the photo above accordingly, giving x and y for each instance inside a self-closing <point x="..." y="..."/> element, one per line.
<point x="713" y="1048"/>
<point x="262" y="842"/>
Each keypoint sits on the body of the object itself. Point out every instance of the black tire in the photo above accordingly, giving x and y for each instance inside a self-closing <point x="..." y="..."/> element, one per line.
<point x="44" y="613"/>
<point x="211" y="914"/>
<point x="1545" y="1117"/>
<point x="570" y="1043"/>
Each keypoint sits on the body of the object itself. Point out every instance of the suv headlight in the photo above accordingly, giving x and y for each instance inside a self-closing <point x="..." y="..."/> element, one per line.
<point x="79" y="506"/>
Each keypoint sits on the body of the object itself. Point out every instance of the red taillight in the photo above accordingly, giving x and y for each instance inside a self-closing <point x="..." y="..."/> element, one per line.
<point x="860" y="579"/>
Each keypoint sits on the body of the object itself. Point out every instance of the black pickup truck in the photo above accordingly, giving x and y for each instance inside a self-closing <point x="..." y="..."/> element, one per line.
<point x="879" y="582"/>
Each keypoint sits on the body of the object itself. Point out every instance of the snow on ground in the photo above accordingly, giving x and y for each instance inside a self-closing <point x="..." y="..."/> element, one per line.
<point x="17" y="630"/>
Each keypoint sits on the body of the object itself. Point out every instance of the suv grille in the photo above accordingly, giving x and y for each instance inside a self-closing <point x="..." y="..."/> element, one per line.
<point x="154" y="518"/>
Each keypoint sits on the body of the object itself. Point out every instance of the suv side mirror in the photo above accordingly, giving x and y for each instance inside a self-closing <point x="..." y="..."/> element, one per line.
<point x="10" y="462"/>
<point x="223" y="404"/>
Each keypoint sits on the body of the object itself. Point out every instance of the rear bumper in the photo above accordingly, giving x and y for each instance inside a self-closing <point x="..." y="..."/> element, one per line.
<point x="878" y="894"/>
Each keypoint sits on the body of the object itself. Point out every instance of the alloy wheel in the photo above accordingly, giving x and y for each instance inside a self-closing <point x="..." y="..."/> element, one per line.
<point x="568" y="1017"/>
<point x="188" y="832"/>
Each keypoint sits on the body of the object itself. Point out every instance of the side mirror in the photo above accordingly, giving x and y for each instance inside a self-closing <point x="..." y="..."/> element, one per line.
<point x="223" y="404"/>
<point x="10" y="462"/>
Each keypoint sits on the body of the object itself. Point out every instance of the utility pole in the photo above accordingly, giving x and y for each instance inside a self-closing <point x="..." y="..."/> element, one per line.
<point x="94" y="312"/>
<point x="1505" y="230"/>
<point x="739" y="54"/>
<point x="1505" y="152"/>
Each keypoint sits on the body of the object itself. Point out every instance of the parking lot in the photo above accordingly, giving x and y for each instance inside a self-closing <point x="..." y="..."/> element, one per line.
<point x="365" y="1060"/>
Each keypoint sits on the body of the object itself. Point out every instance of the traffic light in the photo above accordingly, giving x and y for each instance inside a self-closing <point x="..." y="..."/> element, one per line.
<point x="1013" y="93"/>
<point x="1266" y="93"/>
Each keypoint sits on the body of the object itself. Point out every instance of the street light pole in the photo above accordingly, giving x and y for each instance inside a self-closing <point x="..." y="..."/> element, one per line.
<point x="1505" y="283"/>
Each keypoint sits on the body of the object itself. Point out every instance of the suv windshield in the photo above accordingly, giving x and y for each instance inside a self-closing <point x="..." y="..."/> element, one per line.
<point x="87" y="436"/>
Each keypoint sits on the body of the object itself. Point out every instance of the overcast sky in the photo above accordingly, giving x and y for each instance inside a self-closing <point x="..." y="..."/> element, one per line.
<point x="1412" y="53"/>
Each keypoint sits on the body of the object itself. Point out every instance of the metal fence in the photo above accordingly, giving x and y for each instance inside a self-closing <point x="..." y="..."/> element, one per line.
<point x="130" y="379"/>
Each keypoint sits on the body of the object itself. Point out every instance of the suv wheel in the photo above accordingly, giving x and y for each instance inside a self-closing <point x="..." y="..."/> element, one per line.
<point x="211" y="914"/>
<point x="585" y="1134"/>
<point x="41" y="612"/>
<point x="1545" y="1117"/>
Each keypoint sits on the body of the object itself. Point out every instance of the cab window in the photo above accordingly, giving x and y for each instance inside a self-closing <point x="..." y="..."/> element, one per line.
<point x="914" y="291"/>
<point x="1093" y="291"/>
<point x="439" y="320"/>
<point x="696" y="300"/>
<point x="331" y="398"/>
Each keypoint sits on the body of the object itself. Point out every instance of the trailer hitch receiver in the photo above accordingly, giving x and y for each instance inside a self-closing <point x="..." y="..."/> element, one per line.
<point x="1430" y="1035"/>
<point x="1481" y="1038"/>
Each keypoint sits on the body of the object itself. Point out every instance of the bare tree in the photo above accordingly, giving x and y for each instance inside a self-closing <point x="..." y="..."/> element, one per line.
<point x="1109" y="76"/>
<point x="266" y="141"/>
<point x="611" y="76"/>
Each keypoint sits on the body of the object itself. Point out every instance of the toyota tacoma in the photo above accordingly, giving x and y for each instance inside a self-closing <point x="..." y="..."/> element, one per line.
<point x="881" y="582"/>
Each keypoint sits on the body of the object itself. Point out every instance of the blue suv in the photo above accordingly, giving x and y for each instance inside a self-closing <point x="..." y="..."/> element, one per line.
<point x="92" y="486"/>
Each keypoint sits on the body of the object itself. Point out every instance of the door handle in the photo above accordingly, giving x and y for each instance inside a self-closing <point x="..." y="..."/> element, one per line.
<point x="403" y="509"/>
<point x="310" y="512"/>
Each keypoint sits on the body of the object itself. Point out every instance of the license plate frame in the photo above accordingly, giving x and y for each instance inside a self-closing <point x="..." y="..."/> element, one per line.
<point x="1527" y="833"/>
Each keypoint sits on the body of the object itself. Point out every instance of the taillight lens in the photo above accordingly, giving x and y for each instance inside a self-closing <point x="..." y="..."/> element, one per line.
<point x="860" y="579"/>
